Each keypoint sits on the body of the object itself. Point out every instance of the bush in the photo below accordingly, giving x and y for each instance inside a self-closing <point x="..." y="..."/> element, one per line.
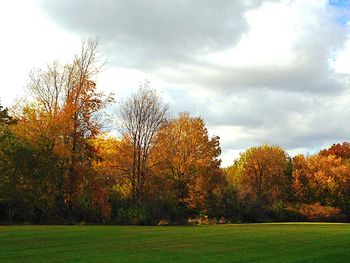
<point x="163" y="222"/>
<point x="318" y="212"/>
<point x="132" y="216"/>
<point x="201" y="220"/>
<point x="282" y="212"/>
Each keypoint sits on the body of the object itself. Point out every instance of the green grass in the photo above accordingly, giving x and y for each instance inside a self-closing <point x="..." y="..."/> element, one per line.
<point x="221" y="243"/>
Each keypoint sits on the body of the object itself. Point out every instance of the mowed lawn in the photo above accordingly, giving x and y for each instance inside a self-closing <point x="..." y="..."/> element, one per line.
<point x="218" y="243"/>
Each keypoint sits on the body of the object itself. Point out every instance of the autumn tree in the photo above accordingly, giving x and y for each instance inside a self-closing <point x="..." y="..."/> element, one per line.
<point x="114" y="162"/>
<point x="63" y="117"/>
<point x="340" y="150"/>
<point x="5" y="118"/>
<point x="262" y="175"/>
<point x="321" y="179"/>
<point x="20" y="177"/>
<point x="189" y="158"/>
<point x="141" y="116"/>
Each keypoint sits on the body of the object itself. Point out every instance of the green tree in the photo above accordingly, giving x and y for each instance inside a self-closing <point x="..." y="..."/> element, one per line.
<point x="21" y="183"/>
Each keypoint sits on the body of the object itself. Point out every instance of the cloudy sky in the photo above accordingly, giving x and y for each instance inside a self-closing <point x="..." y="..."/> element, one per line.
<point x="257" y="71"/>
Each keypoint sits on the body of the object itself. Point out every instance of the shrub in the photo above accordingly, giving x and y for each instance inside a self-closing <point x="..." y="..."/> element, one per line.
<point x="132" y="216"/>
<point x="318" y="212"/>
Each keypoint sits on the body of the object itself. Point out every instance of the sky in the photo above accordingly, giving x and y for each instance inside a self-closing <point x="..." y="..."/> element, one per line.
<point x="256" y="71"/>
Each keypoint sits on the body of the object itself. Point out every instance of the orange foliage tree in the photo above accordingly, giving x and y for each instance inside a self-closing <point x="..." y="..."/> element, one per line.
<point x="62" y="119"/>
<point x="321" y="178"/>
<point x="189" y="159"/>
<point x="339" y="150"/>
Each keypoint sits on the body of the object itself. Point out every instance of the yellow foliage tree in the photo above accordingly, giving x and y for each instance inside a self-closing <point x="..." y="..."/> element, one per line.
<point x="262" y="174"/>
<point x="188" y="158"/>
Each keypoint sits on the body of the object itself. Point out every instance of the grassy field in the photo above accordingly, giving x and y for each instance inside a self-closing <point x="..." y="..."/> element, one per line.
<point x="221" y="243"/>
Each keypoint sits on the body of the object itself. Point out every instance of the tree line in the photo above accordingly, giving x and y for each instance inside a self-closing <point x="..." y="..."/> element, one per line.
<point x="58" y="164"/>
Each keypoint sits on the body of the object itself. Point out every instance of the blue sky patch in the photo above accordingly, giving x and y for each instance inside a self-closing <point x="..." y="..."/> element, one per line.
<point x="340" y="3"/>
<point x="343" y="16"/>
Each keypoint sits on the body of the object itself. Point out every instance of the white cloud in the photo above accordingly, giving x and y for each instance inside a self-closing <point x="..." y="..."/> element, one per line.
<point x="269" y="41"/>
<point x="28" y="40"/>
<point x="341" y="62"/>
<point x="257" y="71"/>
